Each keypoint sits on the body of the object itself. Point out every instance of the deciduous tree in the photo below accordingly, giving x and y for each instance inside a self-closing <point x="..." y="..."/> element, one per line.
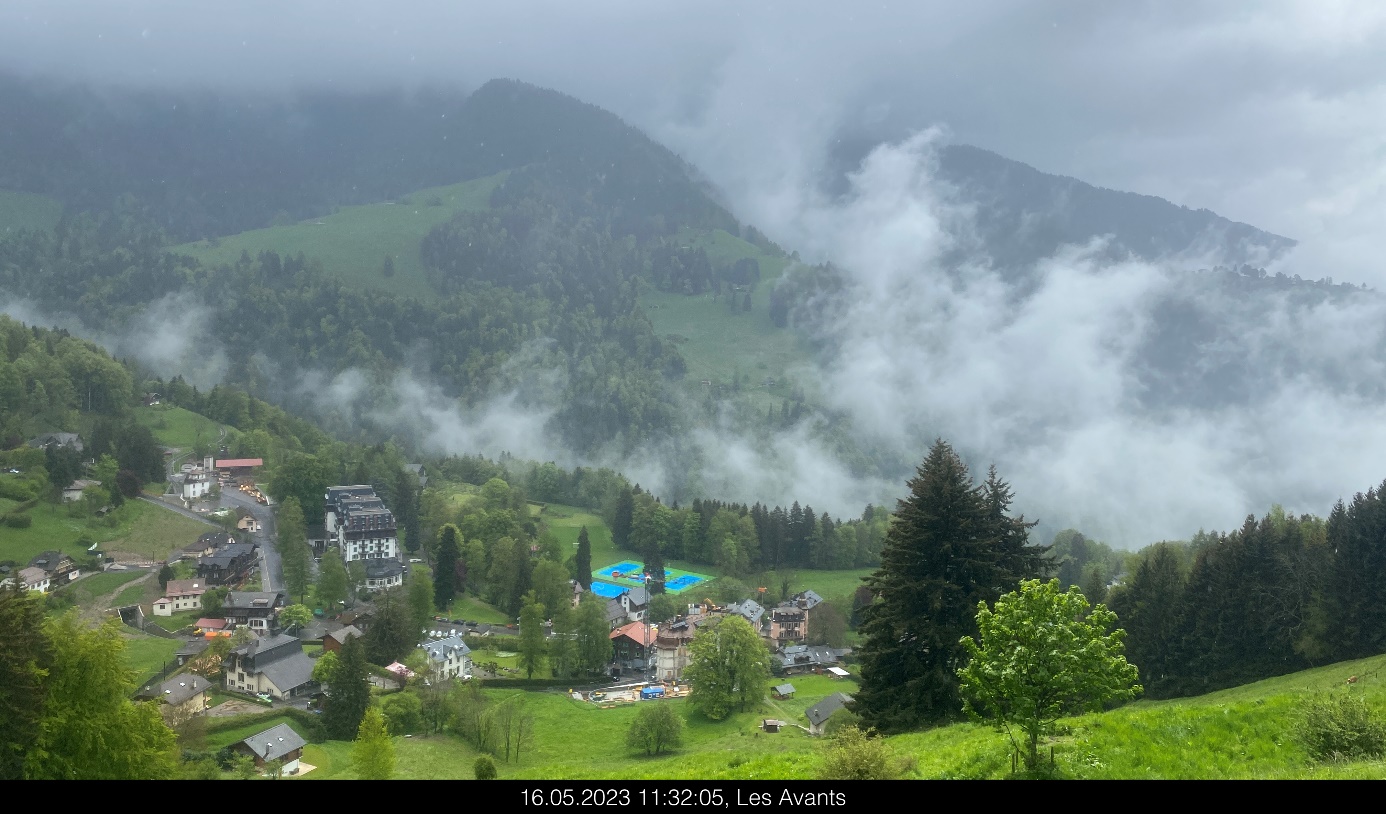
<point x="656" y="728"/>
<point x="531" y="635"/>
<point x="1040" y="654"/>
<point x="729" y="668"/>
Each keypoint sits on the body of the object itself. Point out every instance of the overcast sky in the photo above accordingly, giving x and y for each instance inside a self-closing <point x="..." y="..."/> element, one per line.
<point x="1274" y="116"/>
<point x="1271" y="115"/>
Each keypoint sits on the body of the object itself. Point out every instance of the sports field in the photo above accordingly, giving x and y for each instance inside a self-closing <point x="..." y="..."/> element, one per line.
<point x="630" y="575"/>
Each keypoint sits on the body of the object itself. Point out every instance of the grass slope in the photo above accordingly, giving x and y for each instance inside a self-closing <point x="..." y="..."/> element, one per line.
<point x="26" y="210"/>
<point x="146" y="655"/>
<point x="177" y="427"/>
<point x="137" y="528"/>
<point x="718" y="343"/>
<point x="353" y="242"/>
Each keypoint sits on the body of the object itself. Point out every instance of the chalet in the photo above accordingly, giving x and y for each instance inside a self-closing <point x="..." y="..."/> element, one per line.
<point x="73" y="491"/>
<point x="332" y="642"/>
<point x="275" y="665"/>
<point x="417" y="470"/>
<point x="278" y="743"/>
<point x="631" y="642"/>
<point x="358" y="524"/>
<point x="227" y="565"/>
<point x="245" y="521"/>
<point x="259" y="610"/>
<point x="65" y="440"/>
<point x="180" y="595"/>
<point x="450" y="657"/>
<point x="238" y="467"/>
<point x="59" y="567"/>
<point x="819" y="713"/>
<point x="210" y="625"/>
<point x="179" y="697"/>
<point x="383" y="574"/>
<point x="671" y="649"/>
<point x="206" y="545"/>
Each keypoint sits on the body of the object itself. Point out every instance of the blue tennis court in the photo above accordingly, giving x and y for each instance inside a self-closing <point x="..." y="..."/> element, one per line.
<point x="606" y="590"/>
<point x="625" y="569"/>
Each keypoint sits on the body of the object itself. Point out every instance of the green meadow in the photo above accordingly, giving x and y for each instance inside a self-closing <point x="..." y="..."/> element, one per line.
<point x="135" y="528"/>
<point x="354" y="241"/>
<point x="26" y="210"/>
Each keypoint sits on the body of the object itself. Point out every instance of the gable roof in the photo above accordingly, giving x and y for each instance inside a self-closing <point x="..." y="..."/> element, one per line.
<point x="248" y="600"/>
<point x="267" y="644"/>
<point x="341" y="635"/>
<point x="785" y="689"/>
<point x="638" y="632"/>
<point x="185" y="587"/>
<point x="180" y="688"/>
<point x="290" y="672"/>
<point x="639" y="597"/>
<point x="275" y="742"/>
<point x="748" y="609"/>
<point x="819" y="712"/>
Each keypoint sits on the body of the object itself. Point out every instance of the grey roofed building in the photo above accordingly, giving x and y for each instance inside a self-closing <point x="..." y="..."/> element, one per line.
<point x="62" y="439"/>
<point x="784" y="689"/>
<point x="806" y="657"/>
<point x="639" y="597"/>
<point x="821" y="711"/>
<point x="177" y="689"/>
<point x="290" y="673"/>
<point x="247" y="600"/>
<point x="275" y="742"/>
<point x="750" y="610"/>
<point x="192" y="648"/>
<point x="807" y="600"/>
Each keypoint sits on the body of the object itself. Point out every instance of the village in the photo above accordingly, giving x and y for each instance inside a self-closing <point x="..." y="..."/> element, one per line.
<point x="223" y="593"/>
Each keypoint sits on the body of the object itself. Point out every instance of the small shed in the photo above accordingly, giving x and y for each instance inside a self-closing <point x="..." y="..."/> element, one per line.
<point x="648" y="693"/>
<point x="784" y="691"/>
<point x="771" y="725"/>
<point x="837" y="672"/>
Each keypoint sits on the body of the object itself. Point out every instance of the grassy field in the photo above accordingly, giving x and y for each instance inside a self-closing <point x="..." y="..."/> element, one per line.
<point x="353" y="242"/>
<point x="1243" y="733"/>
<point x="176" y="427"/>
<point x="473" y="609"/>
<point x="136" y="528"/>
<point x="566" y="522"/>
<point x="87" y="589"/>
<point x="718" y="343"/>
<point x="146" y="655"/>
<point x="26" y="210"/>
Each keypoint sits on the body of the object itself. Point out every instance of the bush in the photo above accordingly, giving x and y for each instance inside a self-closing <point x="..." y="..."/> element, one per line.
<point x="484" y="768"/>
<point x="1341" y="727"/>
<point x="655" y="729"/>
<point x="856" y="755"/>
<point x="19" y="521"/>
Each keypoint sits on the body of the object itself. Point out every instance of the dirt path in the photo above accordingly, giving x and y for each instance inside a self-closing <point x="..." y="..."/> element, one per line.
<point x="100" y="607"/>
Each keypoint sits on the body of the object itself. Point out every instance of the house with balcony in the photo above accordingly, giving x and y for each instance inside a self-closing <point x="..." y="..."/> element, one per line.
<point x="258" y="610"/>
<point x="357" y="523"/>
<point x="275" y="665"/>
<point x="229" y="564"/>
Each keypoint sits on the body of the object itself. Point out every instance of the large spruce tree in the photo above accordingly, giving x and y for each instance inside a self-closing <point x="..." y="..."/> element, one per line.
<point x="445" y="582"/>
<point x="583" y="563"/>
<point x="951" y="545"/>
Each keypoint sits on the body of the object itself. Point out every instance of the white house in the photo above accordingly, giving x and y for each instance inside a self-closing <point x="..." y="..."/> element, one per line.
<point x="180" y="595"/>
<point x="451" y="657"/>
<point x="356" y="521"/>
<point x="195" y="484"/>
<point x="383" y="574"/>
<point x="34" y="579"/>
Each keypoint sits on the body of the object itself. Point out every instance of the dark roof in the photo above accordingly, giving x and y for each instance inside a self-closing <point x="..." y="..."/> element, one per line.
<point x="802" y="655"/>
<point x="268" y="644"/>
<point x="785" y="689"/>
<point x="383" y="567"/>
<point x="249" y="600"/>
<point x="193" y="647"/>
<point x="614" y="609"/>
<point x="749" y="609"/>
<point x="342" y="634"/>
<point x="275" y="742"/>
<point x="639" y="597"/>
<point x="819" y="712"/>
<point x="227" y="555"/>
<point x="291" y="672"/>
<point x="48" y="560"/>
<point x="180" y="688"/>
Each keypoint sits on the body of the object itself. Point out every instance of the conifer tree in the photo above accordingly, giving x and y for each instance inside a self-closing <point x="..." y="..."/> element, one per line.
<point x="445" y="571"/>
<point x="349" y="694"/>
<point x="944" y="553"/>
<point x="623" y="519"/>
<point x="583" y="563"/>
